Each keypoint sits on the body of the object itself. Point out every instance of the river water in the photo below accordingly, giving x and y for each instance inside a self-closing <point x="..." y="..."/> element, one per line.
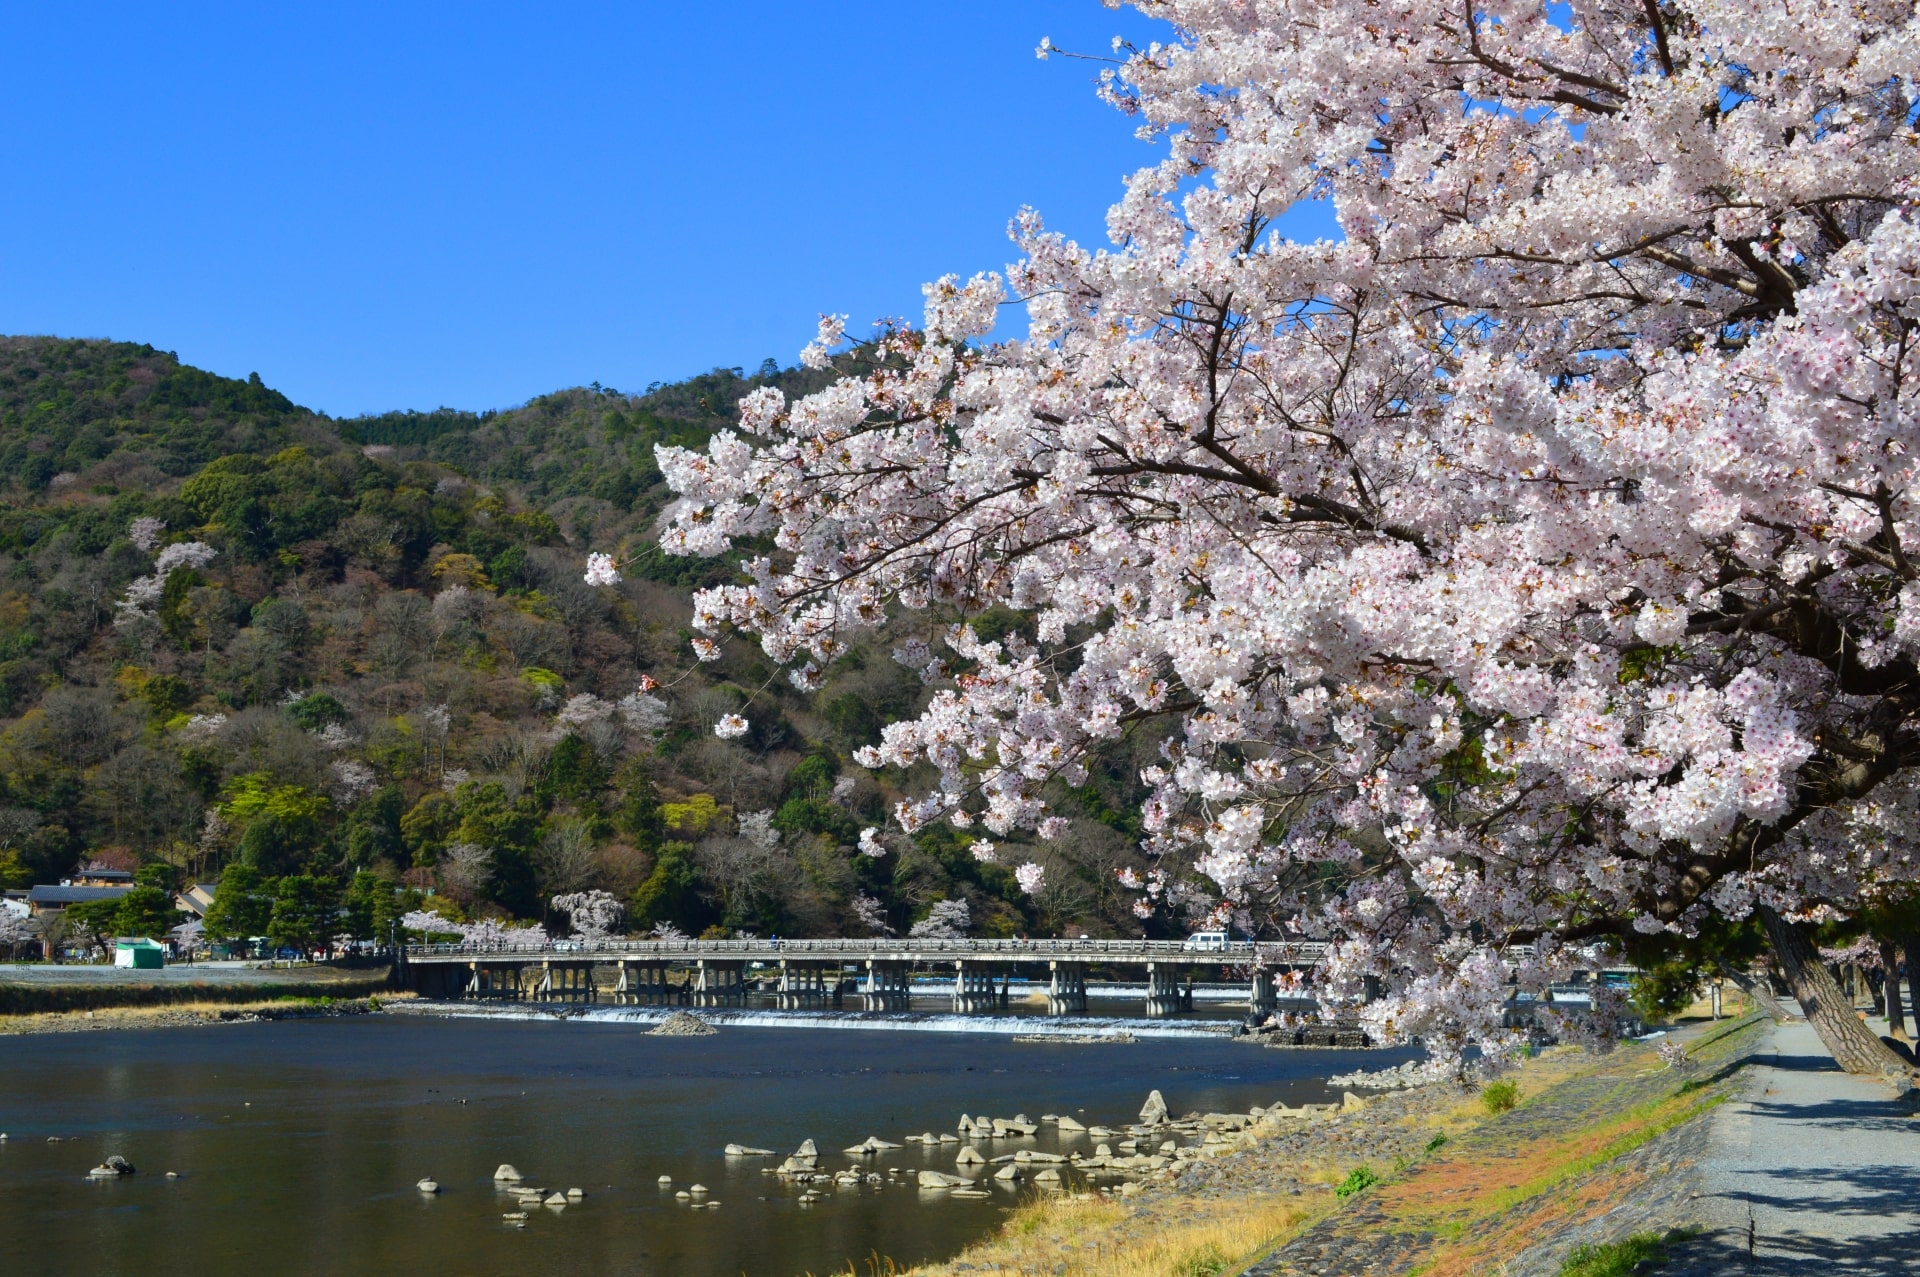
<point x="297" y="1144"/>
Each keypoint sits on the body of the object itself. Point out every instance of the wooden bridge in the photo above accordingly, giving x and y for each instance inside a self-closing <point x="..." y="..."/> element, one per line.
<point x="817" y="973"/>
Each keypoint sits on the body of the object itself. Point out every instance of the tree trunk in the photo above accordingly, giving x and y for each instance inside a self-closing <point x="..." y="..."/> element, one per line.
<point x="1896" y="1017"/>
<point x="1912" y="947"/>
<point x="1853" y="1046"/>
<point x="1759" y="988"/>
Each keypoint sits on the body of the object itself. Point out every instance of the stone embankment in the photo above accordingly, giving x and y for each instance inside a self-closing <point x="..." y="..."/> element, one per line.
<point x="1412" y="1073"/>
<point x="1421" y="1179"/>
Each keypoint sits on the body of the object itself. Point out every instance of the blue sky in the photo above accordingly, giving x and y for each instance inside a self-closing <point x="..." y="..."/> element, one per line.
<point x="414" y="205"/>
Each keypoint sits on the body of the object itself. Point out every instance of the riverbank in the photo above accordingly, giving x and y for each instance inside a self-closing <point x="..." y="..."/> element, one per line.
<point x="1597" y="1150"/>
<point x="200" y="1013"/>
<point x="32" y="998"/>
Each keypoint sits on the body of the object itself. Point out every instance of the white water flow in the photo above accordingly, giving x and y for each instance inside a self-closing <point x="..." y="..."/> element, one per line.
<point x="1090" y="1027"/>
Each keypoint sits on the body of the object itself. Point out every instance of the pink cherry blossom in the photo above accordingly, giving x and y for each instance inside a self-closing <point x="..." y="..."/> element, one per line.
<point x="1531" y="564"/>
<point x="601" y="570"/>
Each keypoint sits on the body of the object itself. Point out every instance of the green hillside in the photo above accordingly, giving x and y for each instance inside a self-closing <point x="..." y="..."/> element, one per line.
<point x="381" y="675"/>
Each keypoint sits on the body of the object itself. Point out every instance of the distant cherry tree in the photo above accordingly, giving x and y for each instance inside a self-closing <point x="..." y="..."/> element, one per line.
<point x="947" y="920"/>
<point x="593" y="915"/>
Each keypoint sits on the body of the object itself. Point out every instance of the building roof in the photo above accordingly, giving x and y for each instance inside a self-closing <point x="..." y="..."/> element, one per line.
<point x="105" y="877"/>
<point x="60" y="897"/>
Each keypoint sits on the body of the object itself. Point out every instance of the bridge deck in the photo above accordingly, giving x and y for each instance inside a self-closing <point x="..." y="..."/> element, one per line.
<point x="1114" y="952"/>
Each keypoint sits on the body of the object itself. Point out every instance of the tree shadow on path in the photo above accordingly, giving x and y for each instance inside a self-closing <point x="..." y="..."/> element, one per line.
<point x="1725" y="1254"/>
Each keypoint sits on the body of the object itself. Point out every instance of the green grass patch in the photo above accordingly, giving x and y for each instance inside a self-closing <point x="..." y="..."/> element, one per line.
<point x="1620" y="1145"/>
<point x="1358" y="1180"/>
<point x="1621" y="1258"/>
<point x="1500" y="1097"/>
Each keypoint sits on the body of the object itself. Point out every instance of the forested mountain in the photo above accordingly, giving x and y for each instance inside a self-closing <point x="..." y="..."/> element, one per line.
<point x="360" y="655"/>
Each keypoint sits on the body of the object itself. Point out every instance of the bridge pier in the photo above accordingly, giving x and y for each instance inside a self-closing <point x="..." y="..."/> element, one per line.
<point x="1261" y="999"/>
<point x="1165" y="996"/>
<point x="719" y="984"/>
<point x="1067" y="988"/>
<point x="564" y="982"/>
<point x="644" y="984"/>
<point x="973" y="989"/>
<point x="803" y="986"/>
<point x="495" y="980"/>
<point x="886" y="987"/>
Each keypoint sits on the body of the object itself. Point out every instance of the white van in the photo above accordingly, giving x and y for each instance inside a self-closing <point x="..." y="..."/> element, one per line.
<point x="1207" y="941"/>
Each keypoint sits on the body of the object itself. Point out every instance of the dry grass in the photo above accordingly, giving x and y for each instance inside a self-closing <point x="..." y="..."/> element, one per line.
<point x="1096" y="1237"/>
<point x="1533" y="1187"/>
<point x="162" y="1016"/>
<point x="1527" y="1185"/>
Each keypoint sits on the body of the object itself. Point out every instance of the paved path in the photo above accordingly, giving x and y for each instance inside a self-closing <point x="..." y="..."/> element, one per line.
<point x="1812" y="1172"/>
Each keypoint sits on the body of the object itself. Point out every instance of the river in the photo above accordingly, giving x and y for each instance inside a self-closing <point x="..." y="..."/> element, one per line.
<point x="297" y="1144"/>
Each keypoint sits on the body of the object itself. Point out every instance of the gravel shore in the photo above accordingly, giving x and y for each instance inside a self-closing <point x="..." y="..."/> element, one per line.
<point x="1600" y="1148"/>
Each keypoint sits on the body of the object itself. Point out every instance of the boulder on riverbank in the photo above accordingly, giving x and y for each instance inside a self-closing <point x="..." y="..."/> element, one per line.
<point x="1411" y="1074"/>
<point x="683" y="1024"/>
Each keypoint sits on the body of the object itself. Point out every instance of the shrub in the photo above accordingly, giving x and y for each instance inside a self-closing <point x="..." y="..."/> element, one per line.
<point x="1439" y="1139"/>
<point x="1499" y="1097"/>
<point x="1358" y="1180"/>
<point x="1615" y="1259"/>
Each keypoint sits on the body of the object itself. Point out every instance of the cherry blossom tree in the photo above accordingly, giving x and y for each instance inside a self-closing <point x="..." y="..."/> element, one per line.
<point x="871" y="915"/>
<point x="486" y="933"/>
<point x="16" y="931"/>
<point x="593" y="916"/>
<point x="947" y="920"/>
<point x="1523" y="569"/>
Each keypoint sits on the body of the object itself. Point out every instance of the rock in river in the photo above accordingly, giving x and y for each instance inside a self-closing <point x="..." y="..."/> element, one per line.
<point x="1154" y="1111"/>
<point x="940" y="1179"/>
<point x="683" y="1024"/>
